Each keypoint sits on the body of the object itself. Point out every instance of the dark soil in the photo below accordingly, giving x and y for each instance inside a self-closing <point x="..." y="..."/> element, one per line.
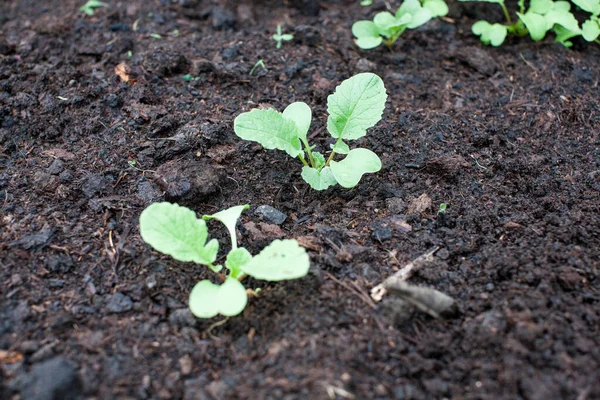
<point x="508" y="137"/>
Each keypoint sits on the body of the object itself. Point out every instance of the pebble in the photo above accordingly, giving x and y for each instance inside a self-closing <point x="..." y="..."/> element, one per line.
<point x="270" y="214"/>
<point x="55" y="379"/>
<point x="93" y="184"/>
<point x="118" y="303"/>
<point x="364" y="65"/>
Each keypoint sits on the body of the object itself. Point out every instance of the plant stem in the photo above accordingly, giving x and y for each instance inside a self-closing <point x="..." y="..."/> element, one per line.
<point x="309" y="152"/>
<point x="506" y="13"/>
<point x="330" y="158"/>
<point x="303" y="160"/>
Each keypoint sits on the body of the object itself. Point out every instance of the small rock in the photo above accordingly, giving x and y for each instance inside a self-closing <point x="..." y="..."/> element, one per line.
<point x="147" y="192"/>
<point x="182" y="317"/>
<point x="364" y="65"/>
<point x="478" y="59"/>
<point x="231" y="52"/>
<point x="270" y="214"/>
<point x="222" y="18"/>
<point x="55" y="379"/>
<point x="36" y="241"/>
<point x="190" y="179"/>
<point x="93" y="184"/>
<point x="56" y="167"/>
<point x="118" y="303"/>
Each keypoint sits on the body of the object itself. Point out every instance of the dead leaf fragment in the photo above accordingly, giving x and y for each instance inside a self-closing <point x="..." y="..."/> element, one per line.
<point x="123" y="71"/>
<point x="419" y="205"/>
<point x="309" y="243"/>
<point x="10" y="357"/>
<point x="424" y="299"/>
<point x="512" y="225"/>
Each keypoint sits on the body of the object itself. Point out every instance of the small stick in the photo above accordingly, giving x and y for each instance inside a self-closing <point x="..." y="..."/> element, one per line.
<point x="403" y="274"/>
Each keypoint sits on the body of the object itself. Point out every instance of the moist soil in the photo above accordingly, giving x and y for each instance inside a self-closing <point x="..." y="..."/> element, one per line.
<point x="97" y="122"/>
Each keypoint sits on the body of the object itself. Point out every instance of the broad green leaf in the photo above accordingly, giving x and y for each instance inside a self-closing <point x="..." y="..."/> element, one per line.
<point x="590" y="30"/>
<point x="175" y="230"/>
<point x="350" y="170"/>
<point x="318" y="180"/>
<point x="563" y="35"/>
<point x="438" y="8"/>
<point x="269" y="128"/>
<point x="540" y="6"/>
<point x="229" y="218"/>
<point x="281" y="260"/>
<point x="536" y="24"/>
<point x="301" y="114"/>
<point x="319" y="159"/>
<point x="207" y="299"/>
<point x="408" y="7"/>
<point x="565" y="19"/>
<point x="236" y="259"/>
<point x="419" y="18"/>
<point x="490" y="34"/>
<point x="562" y="6"/>
<point x="386" y="23"/>
<point x="356" y="105"/>
<point x="367" y="34"/>
<point x="484" y="1"/>
<point x="340" y="147"/>
<point x="591" y="6"/>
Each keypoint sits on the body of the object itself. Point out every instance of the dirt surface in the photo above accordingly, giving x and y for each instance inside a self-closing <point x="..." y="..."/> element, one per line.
<point x="509" y="138"/>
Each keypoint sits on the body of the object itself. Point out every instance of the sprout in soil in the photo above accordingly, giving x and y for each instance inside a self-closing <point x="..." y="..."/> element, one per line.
<point x="174" y="230"/>
<point x="89" y="7"/>
<point x="356" y="105"/>
<point x="279" y="37"/>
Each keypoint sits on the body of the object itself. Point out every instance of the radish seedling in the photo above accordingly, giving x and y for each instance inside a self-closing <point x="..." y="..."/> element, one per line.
<point x="89" y="7"/>
<point x="537" y="20"/>
<point x="280" y="37"/>
<point x="356" y="105"/>
<point x="386" y="27"/>
<point x="175" y="230"/>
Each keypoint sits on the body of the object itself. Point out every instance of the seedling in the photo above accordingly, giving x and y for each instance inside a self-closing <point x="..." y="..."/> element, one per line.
<point x="89" y="7"/>
<point x="356" y="105"/>
<point x="259" y="63"/>
<point x="279" y="37"/>
<point x="386" y="27"/>
<point x="536" y="21"/>
<point x="442" y="209"/>
<point x="591" y="27"/>
<point x="174" y="230"/>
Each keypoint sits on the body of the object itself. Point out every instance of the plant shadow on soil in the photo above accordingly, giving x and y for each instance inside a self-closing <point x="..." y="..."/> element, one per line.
<point x="508" y="137"/>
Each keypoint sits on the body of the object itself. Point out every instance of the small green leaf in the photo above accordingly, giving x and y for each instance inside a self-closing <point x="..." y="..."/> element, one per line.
<point x="269" y="128"/>
<point x="540" y="6"/>
<point x="287" y="36"/>
<point x="350" y="170"/>
<point x="356" y="105"/>
<point x="484" y="1"/>
<point x="420" y="17"/>
<point x="207" y="299"/>
<point x="236" y="259"/>
<point x="565" y="19"/>
<point x="438" y="8"/>
<point x="366" y="3"/>
<point x="590" y="30"/>
<point x="340" y="147"/>
<point x="536" y="24"/>
<point x="281" y="260"/>
<point x="318" y="180"/>
<point x="408" y="7"/>
<point x="175" y="230"/>
<point x="591" y="6"/>
<point x="319" y="159"/>
<point x="490" y="34"/>
<point x="386" y="23"/>
<point x="229" y="218"/>
<point x="367" y="34"/>
<point x="301" y="114"/>
<point x="563" y="35"/>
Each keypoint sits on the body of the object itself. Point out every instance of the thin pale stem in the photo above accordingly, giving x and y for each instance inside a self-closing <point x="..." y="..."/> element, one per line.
<point x="506" y="13"/>
<point x="307" y="150"/>
<point x="303" y="160"/>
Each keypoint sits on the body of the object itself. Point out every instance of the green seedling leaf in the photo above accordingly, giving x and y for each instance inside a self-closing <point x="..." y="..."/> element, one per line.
<point x="438" y="8"/>
<point x="319" y="159"/>
<point x="356" y="105"/>
<point x="420" y="17"/>
<point x="484" y="1"/>
<point x="301" y="114"/>
<point x="367" y="34"/>
<point x="340" y="147"/>
<point x="536" y="24"/>
<point x="563" y="35"/>
<point x="412" y="14"/>
<point x="280" y="37"/>
<point x="408" y="7"/>
<point x="207" y="299"/>
<point x="89" y="7"/>
<point x="318" y="180"/>
<point x="591" y="29"/>
<point x="236" y="259"/>
<point x="229" y="218"/>
<point x="175" y="230"/>
<point x="365" y="3"/>
<point x="269" y="128"/>
<point x="591" y="6"/>
<point x="386" y="23"/>
<point x="358" y="162"/>
<point x="490" y="34"/>
<point x="540" y="6"/>
<point x="281" y="260"/>
<point x="564" y="19"/>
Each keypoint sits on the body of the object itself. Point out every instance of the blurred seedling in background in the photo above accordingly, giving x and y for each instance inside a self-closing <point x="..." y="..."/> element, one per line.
<point x="280" y="37"/>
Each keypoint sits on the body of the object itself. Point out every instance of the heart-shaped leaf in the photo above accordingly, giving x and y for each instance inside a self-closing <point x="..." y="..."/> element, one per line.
<point x="318" y="180"/>
<point x="590" y="30"/>
<point x="367" y="34"/>
<point x="301" y="114"/>
<point x="490" y="34"/>
<point x="281" y="260"/>
<point x="350" y="170"/>
<point x="207" y="299"/>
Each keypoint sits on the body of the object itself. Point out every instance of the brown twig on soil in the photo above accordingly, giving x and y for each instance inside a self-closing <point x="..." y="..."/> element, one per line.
<point x="403" y="274"/>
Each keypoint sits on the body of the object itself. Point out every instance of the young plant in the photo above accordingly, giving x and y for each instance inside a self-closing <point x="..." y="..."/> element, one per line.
<point x="590" y="28"/>
<point x="175" y="230"/>
<point x="279" y="37"/>
<point x="89" y="7"/>
<point x="386" y="27"/>
<point x="356" y="105"/>
<point x="536" y="21"/>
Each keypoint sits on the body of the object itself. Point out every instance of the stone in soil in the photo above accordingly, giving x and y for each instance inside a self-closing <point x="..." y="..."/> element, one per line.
<point x="118" y="303"/>
<point x="54" y="379"/>
<point x="270" y="214"/>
